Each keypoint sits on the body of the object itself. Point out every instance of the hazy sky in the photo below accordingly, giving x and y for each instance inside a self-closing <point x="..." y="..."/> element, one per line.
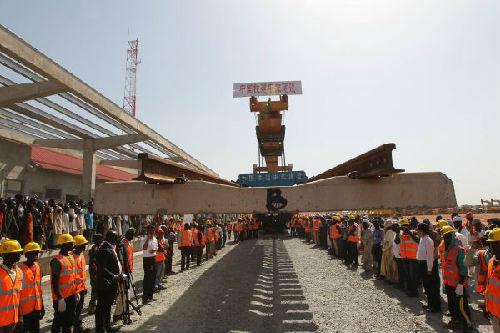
<point x="424" y="74"/>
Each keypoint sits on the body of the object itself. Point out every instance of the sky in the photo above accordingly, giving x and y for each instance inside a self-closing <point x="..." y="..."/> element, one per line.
<point x="423" y="74"/>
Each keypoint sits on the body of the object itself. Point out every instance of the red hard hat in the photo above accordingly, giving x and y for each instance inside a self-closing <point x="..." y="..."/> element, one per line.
<point x="160" y="231"/>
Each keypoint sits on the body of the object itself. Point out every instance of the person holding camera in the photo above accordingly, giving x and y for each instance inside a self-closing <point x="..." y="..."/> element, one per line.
<point x="109" y="274"/>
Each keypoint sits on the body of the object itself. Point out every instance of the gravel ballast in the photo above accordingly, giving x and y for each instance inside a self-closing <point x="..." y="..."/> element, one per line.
<point x="275" y="284"/>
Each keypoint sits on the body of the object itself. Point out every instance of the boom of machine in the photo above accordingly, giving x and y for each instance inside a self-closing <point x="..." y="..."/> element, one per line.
<point x="366" y="182"/>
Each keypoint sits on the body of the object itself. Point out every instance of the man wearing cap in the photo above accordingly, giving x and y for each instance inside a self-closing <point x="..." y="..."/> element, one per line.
<point x="11" y="282"/>
<point x="62" y="279"/>
<point x="80" y="242"/>
<point x="31" y="294"/>
<point x="455" y="281"/>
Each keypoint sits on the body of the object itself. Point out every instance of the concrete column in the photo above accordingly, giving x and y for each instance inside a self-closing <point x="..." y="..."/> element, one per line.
<point x="89" y="171"/>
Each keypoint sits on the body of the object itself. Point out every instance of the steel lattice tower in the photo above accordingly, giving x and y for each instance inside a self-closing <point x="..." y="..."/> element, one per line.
<point x="129" y="95"/>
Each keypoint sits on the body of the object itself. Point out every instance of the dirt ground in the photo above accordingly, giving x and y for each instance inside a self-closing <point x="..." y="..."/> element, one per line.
<point x="278" y="284"/>
<point x="482" y="217"/>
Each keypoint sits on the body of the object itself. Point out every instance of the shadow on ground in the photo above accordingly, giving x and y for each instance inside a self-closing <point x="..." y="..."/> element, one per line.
<point x="254" y="288"/>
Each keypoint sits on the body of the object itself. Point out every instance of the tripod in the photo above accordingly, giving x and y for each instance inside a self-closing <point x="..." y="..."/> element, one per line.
<point x="126" y="285"/>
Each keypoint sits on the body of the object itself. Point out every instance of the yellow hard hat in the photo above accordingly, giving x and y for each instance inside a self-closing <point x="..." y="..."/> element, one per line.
<point x="446" y="230"/>
<point x="494" y="235"/>
<point x="80" y="240"/>
<point x="404" y="221"/>
<point x="65" y="238"/>
<point x="441" y="224"/>
<point x="10" y="246"/>
<point x="32" y="247"/>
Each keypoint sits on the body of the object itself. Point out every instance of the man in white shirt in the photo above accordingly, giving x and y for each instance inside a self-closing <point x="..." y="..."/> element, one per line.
<point x="462" y="233"/>
<point x="428" y="269"/>
<point x="149" y="246"/>
<point x="397" y="255"/>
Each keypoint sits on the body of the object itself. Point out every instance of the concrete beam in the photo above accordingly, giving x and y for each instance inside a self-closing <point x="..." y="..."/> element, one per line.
<point x="80" y="119"/>
<point x="16" y="136"/>
<point x="22" y="92"/>
<point x="401" y="191"/>
<point x="130" y="164"/>
<point x="97" y="143"/>
<point x="18" y="49"/>
<point x="25" y="120"/>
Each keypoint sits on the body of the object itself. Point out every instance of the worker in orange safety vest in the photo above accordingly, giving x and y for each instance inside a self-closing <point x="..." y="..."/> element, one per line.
<point x="80" y="243"/>
<point x="198" y="243"/>
<point x="62" y="279"/>
<point x="307" y="229"/>
<point x="161" y="255"/>
<point x="10" y="285"/>
<point x="492" y="290"/>
<point x="316" y="223"/>
<point x="209" y="235"/>
<point x="186" y="246"/>
<point x="352" y="243"/>
<point x="335" y="235"/>
<point x="455" y="281"/>
<point x="408" y="251"/>
<point x="31" y="301"/>
<point x="229" y="230"/>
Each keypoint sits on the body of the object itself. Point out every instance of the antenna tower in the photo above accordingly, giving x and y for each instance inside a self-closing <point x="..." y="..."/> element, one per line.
<point x="129" y="95"/>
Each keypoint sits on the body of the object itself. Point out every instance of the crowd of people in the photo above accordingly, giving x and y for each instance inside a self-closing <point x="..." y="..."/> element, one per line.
<point x="456" y="255"/>
<point x="29" y="219"/>
<point x="110" y="268"/>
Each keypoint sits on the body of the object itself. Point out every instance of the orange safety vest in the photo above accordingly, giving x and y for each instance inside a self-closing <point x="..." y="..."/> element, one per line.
<point x="9" y="297"/>
<point x="195" y="238"/>
<point x="203" y="240"/>
<point x="186" y="238"/>
<point x="335" y="232"/>
<point x="80" y="273"/>
<point x="353" y="238"/>
<point x="160" y="256"/>
<point x="130" y="255"/>
<point x="492" y="292"/>
<point x="482" y="274"/>
<point x="316" y="225"/>
<point x="451" y="274"/>
<point x="210" y="235"/>
<point x="441" y="256"/>
<point x="229" y="227"/>
<point x="408" y="247"/>
<point x="66" y="281"/>
<point x="31" y="293"/>
<point x="216" y="234"/>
